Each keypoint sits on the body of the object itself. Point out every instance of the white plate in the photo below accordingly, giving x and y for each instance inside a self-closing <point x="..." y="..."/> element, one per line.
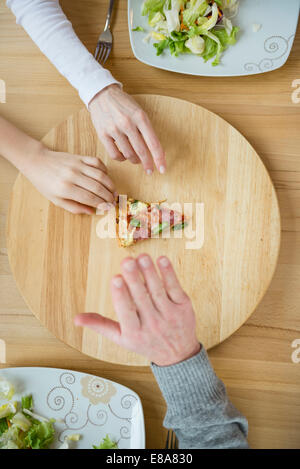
<point x="85" y="404"/>
<point x="253" y="53"/>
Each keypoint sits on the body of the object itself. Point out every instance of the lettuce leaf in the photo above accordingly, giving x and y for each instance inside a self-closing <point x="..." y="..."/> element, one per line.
<point x="27" y="402"/>
<point x="3" y="425"/>
<point x="40" y="435"/>
<point x="216" y="41"/>
<point x="106" y="443"/>
<point x="13" y="438"/>
<point x="138" y="28"/>
<point x="151" y="6"/>
<point x="225" y="39"/>
<point x="176" y="43"/>
<point x="161" y="46"/>
<point x="196" y="8"/>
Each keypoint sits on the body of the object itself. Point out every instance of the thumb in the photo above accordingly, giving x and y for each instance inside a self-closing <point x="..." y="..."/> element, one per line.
<point x="104" y="326"/>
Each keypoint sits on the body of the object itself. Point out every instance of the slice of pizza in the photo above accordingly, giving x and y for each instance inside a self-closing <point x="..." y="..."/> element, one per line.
<point x="137" y="220"/>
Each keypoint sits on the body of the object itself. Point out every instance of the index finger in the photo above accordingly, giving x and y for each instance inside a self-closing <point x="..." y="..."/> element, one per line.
<point x="145" y="127"/>
<point x="95" y="162"/>
<point x="123" y="304"/>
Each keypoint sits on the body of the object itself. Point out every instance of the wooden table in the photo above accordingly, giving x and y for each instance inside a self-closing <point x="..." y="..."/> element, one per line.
<point x="255" y="363"/>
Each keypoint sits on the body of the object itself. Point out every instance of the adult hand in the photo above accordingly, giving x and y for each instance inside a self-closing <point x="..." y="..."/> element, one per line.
<point x="156" y="316"/>
<point x="76" y="183"/>
<point x="125" y="129"/>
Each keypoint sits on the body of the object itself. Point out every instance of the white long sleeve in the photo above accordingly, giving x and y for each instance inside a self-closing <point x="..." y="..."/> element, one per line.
<point x="47" y="25"/>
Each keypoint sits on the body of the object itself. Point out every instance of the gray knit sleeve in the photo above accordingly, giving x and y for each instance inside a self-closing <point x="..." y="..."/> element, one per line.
<point x="198" y="408"/>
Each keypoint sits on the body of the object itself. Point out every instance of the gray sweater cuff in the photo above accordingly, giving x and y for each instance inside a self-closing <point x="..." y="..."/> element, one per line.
<point x="194" y="378"/>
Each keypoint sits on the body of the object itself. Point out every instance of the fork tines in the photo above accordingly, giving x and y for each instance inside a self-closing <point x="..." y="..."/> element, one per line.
<point x="171" y="442"/>
<point x="102" y="52"/>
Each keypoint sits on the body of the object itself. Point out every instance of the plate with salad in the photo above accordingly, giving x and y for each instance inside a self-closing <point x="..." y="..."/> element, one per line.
<point x="213" y="37"/>
<point x="49" y="408"/>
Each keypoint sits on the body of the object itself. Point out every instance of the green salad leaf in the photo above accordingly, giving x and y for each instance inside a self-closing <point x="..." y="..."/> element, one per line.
<point x="3" y="425"/>
<point x="40" y="435"/>
<point x="13" y="438"/>
<point x="196" y="8"/>
<point x="106" y="443"/>
<point x="151" y="6"/>
<point x="27" y="402"/>
<point x="216" y="42"/>
<point x="139" y="28"/>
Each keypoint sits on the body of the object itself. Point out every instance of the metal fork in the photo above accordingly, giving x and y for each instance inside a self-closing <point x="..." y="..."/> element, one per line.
<point x="105" y="39"/>
<point x="172" y="442"/>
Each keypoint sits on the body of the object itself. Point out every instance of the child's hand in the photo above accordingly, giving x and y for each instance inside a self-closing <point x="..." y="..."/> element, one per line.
<point x="76" y="183"/>
<point x="156" y="316"/>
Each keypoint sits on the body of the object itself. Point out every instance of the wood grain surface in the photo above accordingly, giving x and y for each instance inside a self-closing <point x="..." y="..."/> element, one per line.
<point x="255" y="362"/>
<point x="68" y="266"/>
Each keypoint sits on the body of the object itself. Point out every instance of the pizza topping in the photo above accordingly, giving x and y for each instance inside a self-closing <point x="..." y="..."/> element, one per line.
<point x="141" y="220"/>
<point x="136" y="206"/>
<point x="159" y="228"/>
<point x="179" y="226"/>
<point x="135" y="222"/>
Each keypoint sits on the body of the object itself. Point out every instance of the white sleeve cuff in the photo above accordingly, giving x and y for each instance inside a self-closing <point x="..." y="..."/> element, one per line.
<point x="93" y="81"/>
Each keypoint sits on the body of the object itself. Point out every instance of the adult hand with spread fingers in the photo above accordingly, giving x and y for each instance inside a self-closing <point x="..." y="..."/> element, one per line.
<point x="157" y="320"/>
<point x="156" y="317"/>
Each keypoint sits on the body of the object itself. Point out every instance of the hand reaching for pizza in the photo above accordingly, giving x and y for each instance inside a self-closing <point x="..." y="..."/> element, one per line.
<point x="125" y="129"/>
<point x="156" y="317"/>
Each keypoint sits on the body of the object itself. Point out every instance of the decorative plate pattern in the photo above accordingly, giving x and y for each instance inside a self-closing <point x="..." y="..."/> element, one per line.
<point x="277" y="47"/>
<point x="82" y="403"/>
<point x="255" y="52"/>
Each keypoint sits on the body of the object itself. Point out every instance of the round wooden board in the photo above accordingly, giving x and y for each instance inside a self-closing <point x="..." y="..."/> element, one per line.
<point x="62" y="267"/>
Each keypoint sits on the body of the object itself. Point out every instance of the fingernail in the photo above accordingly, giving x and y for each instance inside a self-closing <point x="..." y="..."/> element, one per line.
<point x="115" y="194"/>
<point x="144" y="261"/>
<point x="162" y="169"/>
<point x="105" y="206"/>
<point x="129" y="265"/>
<point x="77" y="321"/>
<point x="164" y="262"/>
<point x="118" y="282"/>
<point x="149" y="172"/>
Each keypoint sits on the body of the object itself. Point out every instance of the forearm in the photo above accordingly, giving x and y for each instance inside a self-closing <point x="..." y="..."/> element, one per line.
<point x="16" y="146"/>
<point x="49" y="28"/>
<point x="199" y="410"/>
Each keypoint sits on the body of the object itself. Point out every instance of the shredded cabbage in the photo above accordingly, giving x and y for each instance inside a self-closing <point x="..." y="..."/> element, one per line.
<point x="200" y="27"/>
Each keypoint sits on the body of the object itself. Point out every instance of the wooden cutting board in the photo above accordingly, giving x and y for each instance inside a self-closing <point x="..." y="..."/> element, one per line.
<point x="62" y="267"/>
